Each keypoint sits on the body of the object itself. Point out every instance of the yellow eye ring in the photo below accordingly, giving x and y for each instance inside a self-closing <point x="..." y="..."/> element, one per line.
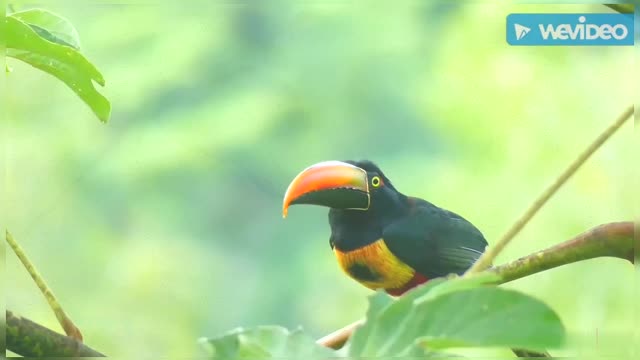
<point x="375" y="181"/>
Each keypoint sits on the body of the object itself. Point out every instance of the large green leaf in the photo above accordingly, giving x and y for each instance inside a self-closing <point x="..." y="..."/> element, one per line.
<point x="456" y="313"/>
<point x="456" y="283"/>
<point x="50" y="26"/>
<point x="384" y="313"/>
<point x="490" y="316"/>
<point x="265" y="342"/>
<point x="61" y="61"/>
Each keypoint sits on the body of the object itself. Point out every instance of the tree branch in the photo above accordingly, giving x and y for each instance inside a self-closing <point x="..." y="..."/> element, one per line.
<point x="338" y="338"/>
<point x="607" y="240"/>
<point x="65" y="321"/>
<point x="492" y="251"/>
<point x="29" y="339"/>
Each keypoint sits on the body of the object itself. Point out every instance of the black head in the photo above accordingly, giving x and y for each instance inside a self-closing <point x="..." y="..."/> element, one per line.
<point x="372" y="171"/>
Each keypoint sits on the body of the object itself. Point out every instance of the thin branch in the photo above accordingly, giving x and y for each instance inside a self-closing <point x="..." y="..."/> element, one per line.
<point x="29" y="339"/>
<point x="338" y="338"/>
<point x="487" y="258"/>
<point x="607" y="240"/>
<point x="69" y="327"/>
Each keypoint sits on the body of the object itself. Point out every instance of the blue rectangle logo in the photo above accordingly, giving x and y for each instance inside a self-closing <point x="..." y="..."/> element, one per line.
<point x="589" y="29"/>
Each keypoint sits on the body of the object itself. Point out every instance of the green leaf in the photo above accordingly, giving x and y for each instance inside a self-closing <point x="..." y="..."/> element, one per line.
<point x="456" y="313"/>
<point x="63" y="62"/>
<point x="490" y="316"/>
<point x="380" y="316"/>
<point x="456" y="283"/>
<point x="265" y="342"/>
<point x="378" y="302"/>
<point x="384" y="313"/>
<point x="50" y="26"/>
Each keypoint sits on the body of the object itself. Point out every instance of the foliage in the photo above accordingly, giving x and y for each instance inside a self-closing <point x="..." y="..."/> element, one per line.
<point x="50" y="43"/>
<point x="263" y="342"/>
<point x="439" y="315"/>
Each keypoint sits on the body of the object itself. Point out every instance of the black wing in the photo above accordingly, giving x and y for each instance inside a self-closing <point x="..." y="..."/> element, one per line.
<point x="435" y="242"/>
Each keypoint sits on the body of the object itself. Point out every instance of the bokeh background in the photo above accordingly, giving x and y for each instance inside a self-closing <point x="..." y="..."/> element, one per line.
<point x="165" y="224"/>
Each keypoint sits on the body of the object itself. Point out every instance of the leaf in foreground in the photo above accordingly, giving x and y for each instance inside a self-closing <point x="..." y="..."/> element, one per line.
<point x="456" y="313"/>
<point x="61" y="61"/>
<point x="264" y="342"/>
<point x="50" y="26"/>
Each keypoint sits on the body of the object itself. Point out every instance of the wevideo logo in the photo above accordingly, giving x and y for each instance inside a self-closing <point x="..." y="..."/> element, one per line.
<point x="570" y="29"/>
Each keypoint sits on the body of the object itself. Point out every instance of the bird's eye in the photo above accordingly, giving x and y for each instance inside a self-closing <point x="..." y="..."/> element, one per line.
<point x="375" y="181"/>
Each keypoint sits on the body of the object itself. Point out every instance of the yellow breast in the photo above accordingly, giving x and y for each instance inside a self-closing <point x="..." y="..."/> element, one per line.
<point x="375" y="266"/>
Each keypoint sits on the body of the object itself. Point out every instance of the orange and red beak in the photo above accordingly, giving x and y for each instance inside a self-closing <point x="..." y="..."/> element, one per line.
<point x="334" y="184"/>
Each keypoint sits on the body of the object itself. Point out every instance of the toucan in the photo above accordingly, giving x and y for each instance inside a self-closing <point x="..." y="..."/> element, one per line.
<point x="382" y="238"/>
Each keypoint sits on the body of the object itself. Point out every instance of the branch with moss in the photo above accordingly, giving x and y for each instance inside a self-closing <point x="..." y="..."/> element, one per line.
<point x="29" y="339"/>
<point x="607" y="240"/>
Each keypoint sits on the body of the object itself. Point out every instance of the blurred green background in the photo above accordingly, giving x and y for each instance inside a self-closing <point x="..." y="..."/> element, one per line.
<point x="165" y="224"/>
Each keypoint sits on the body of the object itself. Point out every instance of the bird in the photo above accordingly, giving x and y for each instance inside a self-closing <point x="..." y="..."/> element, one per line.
<point x="380" y="237"/>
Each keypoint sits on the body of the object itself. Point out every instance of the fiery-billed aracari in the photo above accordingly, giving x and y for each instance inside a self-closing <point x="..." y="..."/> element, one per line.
<point x="380" y="237"/>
